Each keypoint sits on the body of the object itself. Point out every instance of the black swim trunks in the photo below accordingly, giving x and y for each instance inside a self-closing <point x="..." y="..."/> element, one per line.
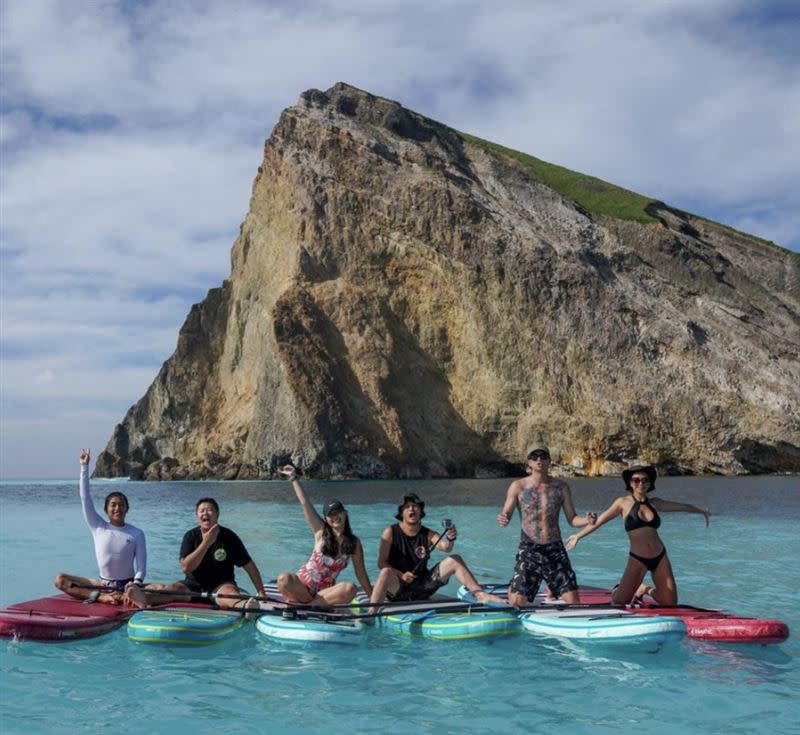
<point x="536" y="562"/>
<point x="421" y="588"/>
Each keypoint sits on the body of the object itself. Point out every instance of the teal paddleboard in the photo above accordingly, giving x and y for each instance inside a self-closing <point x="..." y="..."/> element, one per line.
<point x="180" y="627"/>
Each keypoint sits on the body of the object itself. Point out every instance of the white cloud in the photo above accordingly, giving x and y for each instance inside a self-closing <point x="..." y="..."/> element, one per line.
<point x="131" y="133"/>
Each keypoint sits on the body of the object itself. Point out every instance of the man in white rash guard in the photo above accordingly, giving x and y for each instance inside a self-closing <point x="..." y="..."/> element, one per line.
<point x="120" y="549"/>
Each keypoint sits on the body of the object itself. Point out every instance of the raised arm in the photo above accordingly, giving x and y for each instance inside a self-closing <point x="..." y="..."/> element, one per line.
<point x="670" y="506"/>
<point x="93" y="518"/>
<point x="360" y="569"/>
<point x="442" y="541"/>
<point x="612" y="511"/>
<point x="315" y="523"/>
<point x="512" y="496"/>
<point x="572" y="517"/>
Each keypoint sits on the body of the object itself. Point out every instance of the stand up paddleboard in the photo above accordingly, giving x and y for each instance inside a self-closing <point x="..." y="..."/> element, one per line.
<point x="284" y="622"/>
<point x="183" y="625"/>
<point x="701" y="624"/>
<point x="60" y="618"/>
<point x="610" y="627"/>
<point x="310" y="627"/>
<point x="432" y="619"/>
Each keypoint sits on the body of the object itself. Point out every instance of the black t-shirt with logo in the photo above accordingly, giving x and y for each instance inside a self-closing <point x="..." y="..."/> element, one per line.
<point x="217" y="565"/>
<point x="409" y="553"/>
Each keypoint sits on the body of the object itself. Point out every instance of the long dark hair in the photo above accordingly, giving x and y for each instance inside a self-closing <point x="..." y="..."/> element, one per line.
<point x="330" y="544"/>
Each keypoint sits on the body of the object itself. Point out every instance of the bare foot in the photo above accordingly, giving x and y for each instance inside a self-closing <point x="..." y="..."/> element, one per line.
<point x="252" y="607"/>
<point x="642" y="591"/>
<point x="485" y="598"/>
<point x="136" y="596"/>
<point x="110" y="598"/>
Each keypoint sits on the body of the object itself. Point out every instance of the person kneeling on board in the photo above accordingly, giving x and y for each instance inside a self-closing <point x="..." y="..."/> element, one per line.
<point x="640" y="519"/>
<point x="405" y="548"/>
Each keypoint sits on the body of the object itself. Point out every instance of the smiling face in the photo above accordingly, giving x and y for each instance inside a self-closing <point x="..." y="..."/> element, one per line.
<point x="116" y="509"/>
<point x="336" y="520"/>
<point x="207" y="515"/>
<point x="640" y="484"/>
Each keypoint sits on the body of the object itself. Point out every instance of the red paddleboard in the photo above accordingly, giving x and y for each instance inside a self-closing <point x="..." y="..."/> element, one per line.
<point x="62" y="618"/>
<point x="715" y="625"/>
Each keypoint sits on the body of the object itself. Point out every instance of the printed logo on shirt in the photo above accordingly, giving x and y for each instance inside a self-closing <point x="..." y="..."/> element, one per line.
<point x="220" y="555"/>
<point x="421" y="552"/>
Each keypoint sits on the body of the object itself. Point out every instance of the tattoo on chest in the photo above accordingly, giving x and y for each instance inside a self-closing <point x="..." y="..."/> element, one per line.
<point x="539" y="508"/>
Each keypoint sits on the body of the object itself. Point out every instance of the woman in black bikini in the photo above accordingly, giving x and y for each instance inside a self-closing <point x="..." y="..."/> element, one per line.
<point x="647" y="553"/>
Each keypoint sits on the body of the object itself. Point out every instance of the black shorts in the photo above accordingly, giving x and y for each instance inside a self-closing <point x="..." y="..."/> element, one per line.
<point x="421" y="588"/>
<point x="536" y="562"/>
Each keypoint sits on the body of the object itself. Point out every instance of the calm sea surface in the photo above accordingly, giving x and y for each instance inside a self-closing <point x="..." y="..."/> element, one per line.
<point x="745" y="562"/>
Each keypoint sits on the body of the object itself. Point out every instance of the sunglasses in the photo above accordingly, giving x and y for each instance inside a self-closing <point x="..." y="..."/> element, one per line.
<point x="640" y="480"/>
<point x="539" y="455"/>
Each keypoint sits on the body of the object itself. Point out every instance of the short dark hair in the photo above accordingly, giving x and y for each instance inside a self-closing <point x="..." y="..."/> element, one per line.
<point x="116" y="494"/>
<point x="206" y="500"/>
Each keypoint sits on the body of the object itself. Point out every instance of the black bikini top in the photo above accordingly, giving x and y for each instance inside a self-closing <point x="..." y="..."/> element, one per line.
<point x="634" y="521"/>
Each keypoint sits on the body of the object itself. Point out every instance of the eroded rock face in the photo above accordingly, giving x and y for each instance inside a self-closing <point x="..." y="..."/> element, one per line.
<point x="403" y="303"/>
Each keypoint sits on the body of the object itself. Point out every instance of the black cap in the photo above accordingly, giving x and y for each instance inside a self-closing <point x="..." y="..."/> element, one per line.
<point x="332" y="506"/>
<point x="412" y="498"/>
<point x="647" y="469"/>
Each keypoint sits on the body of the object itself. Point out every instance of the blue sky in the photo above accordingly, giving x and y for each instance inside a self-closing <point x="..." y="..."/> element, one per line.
<point x="130" y="133"/>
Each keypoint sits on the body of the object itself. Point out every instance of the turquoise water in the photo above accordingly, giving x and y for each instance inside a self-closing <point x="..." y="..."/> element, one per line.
<point x="745" y="562"/>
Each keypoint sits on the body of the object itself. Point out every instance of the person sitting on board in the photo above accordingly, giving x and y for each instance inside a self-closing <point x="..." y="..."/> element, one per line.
<point x="405" y="548"/>
<point x="541" y="554"/>
<point x="334" y="545"/>
<point x="647" y="552"/>
<point x="209" y="552"/>
<point x="120" y="549"/>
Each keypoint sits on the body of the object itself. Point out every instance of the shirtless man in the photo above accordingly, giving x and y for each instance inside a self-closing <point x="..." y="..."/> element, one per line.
<point x="119" y="547"/>
<point x="541" y="554"/>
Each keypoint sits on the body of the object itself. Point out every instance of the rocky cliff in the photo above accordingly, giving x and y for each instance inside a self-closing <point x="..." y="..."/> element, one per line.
<point x="408" y="301"/>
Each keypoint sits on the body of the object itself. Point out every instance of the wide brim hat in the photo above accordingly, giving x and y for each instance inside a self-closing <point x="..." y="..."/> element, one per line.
<point x="648" y="470"/>
<point x="412" y="498"/>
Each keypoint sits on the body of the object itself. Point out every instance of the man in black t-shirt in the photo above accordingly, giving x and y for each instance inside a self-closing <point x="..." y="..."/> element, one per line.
<point x="209" y="553"/>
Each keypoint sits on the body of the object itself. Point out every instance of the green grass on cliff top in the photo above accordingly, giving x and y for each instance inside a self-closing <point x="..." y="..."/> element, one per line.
<point x="595" y="195"/>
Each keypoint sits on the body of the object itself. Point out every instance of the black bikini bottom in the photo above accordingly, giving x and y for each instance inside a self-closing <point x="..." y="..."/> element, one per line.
<point x="651" y="562"/>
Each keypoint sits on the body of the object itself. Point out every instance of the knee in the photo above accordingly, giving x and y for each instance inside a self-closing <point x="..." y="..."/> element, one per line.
<point x="62" y="582"/>
<point x="457" y="560"/>
<point x="283" y="581"/>
<point x="349" y="590"/>
<point x="386" y="574"/>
